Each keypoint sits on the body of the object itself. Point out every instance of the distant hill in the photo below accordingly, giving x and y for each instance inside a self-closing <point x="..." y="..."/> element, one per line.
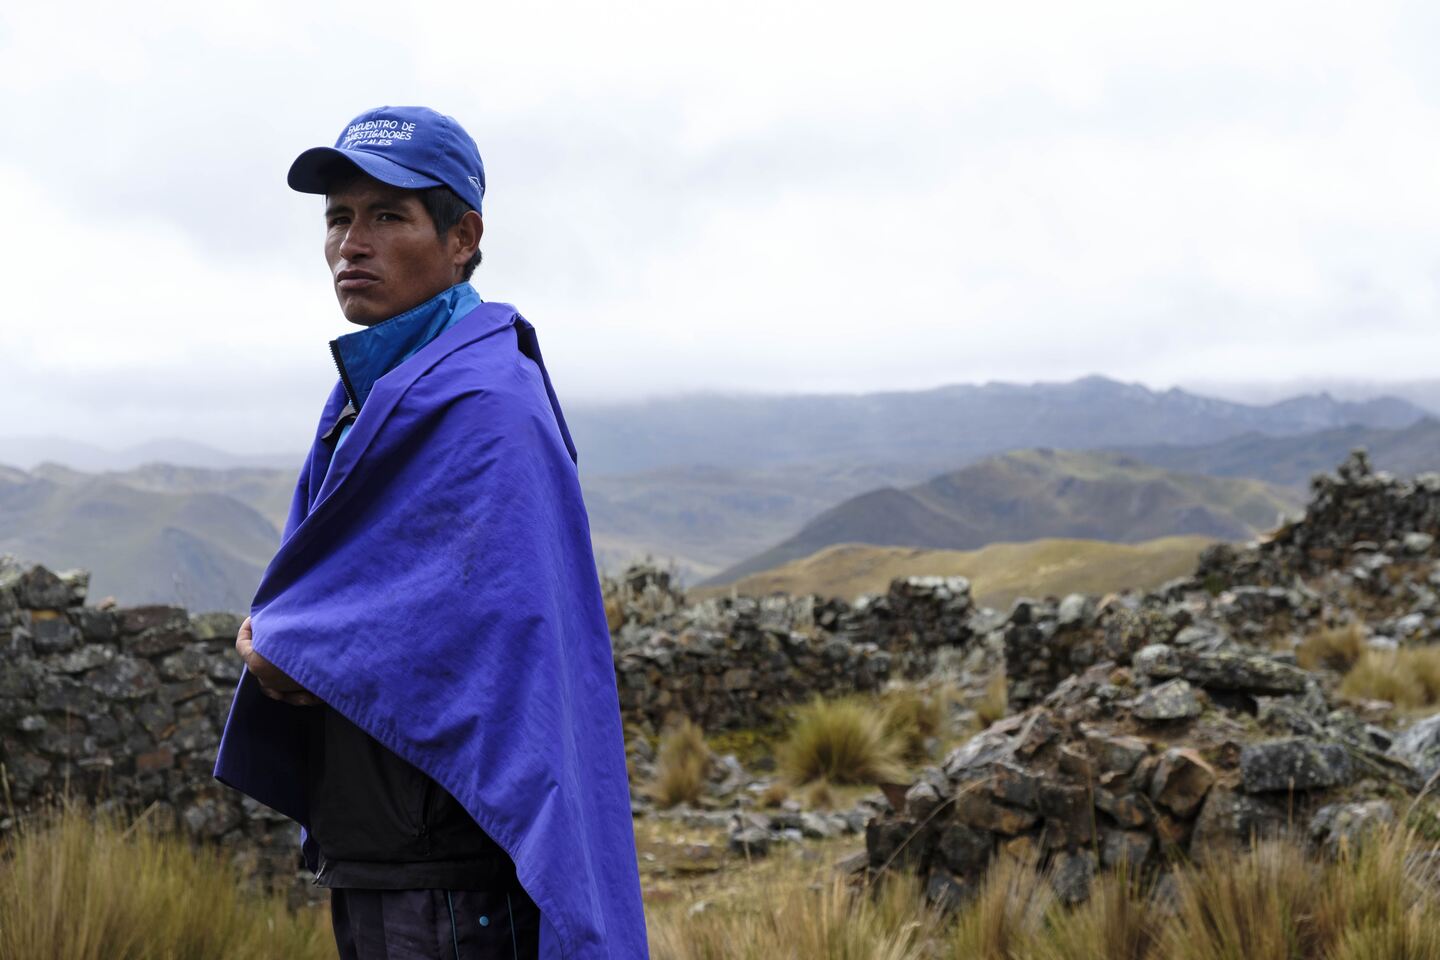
<point x="705" y="518"/>
<point x="998" y="573"/>
<point x="27" y="452"/>
<point x="1292" y="461"/>
<point x="204" y="550"/>
<point x="1037" y="494"/>
<point x="936" y="428"/>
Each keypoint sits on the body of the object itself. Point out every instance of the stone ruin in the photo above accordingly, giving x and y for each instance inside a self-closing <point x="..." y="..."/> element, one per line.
<point x="1178" y="722"/>
<point x="123" y="708"/>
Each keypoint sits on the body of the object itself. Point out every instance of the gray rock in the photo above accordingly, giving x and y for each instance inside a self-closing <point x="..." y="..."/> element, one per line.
<point x="1342" y="826"/>
<point x="1418" y="543"/>
<point x="945" y="893"/>
<point x="52" y="632"/>
<point x="921" y="800"/>
<point x="123" y="678"/>
<point x="1157" y="660"/>
<point x="40" y="589"/>
<point x="215" y="626"/>
<point x="1172" y="700"/>
<point x="1073" y="875"/>
<point x="1229" y="820"/>
<point x="87" y="657"/>
<point x="894" y="843"/>
<point x="1419" y="746"/>
<point x="750" y="842"/>
<point x="1132" y="847"/>
<point x="965" y="850"/>
<point x="1297" y="763"/>
<point x="1243" y="673"/>
<point x="1181" y="781"/>
<point x="1116" y="754"/>
<point x="1076" y="610"/>
<point x="186" y="664"/>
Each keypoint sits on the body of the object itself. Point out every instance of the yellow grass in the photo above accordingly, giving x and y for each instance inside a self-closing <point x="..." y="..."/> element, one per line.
<point x="840" y="741"/>
<point x="1408" y="677"/>
<point x="77" y="889"/>
<point x="681" y="765"/>
<point x="996" y="702"/>
<point x="998" y="573"/>
<point x="1334" y="648"/>
<point x="1273" y="901"/>
<point x="912" y="717"/>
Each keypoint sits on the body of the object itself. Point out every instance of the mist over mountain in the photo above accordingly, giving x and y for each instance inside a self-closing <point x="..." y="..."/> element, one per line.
<point x="944" y="427"/>
<point x="1292" y="461"/>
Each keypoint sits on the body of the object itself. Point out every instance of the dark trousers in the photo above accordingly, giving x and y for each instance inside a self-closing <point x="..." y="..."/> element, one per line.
<point x="436" y="924"/>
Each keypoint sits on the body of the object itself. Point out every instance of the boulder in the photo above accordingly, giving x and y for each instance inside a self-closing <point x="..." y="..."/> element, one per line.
<point x="1297" y="763"/>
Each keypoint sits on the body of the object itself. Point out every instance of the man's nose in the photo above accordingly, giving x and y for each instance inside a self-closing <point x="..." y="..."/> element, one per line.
<point x="355" y="243"/>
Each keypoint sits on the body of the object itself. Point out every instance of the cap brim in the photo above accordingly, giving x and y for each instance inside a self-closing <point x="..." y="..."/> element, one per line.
<point x="315" y="169"/>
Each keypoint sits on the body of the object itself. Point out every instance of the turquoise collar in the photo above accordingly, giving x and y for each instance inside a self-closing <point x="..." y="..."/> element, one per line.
<point x="367" y="355"/>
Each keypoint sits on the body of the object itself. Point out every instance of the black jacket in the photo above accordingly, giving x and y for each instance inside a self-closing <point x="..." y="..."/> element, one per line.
<point x="380" y="823"/>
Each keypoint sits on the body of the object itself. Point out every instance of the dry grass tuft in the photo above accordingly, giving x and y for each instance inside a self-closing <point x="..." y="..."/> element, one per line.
<point x="843" y="741"/>
<point x="680" y="766"/>
<point x="912" y="717"/>
<point x="86" y="889"/>
<point x="1252" y="907"/>
<point x="774" y="795"/>
<point x="819" y="795"/>
<point x="1408" y="677"/>
<point x="784" y="917"/>
<point x="995" y="704"/>
<point x="1118" y="922"/>
<point x="1007" y="917"/>
<point x="1334" y="648"/>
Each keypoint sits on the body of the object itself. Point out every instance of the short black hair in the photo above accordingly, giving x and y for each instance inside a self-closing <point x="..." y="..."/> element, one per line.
<point x="446" y="208"/>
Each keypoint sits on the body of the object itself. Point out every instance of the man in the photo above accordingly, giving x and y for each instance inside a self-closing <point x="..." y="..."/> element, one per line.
<point x="429" y="688"/>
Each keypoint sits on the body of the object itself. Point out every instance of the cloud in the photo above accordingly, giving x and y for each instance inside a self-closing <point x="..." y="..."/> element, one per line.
<point x="756" y="196"/>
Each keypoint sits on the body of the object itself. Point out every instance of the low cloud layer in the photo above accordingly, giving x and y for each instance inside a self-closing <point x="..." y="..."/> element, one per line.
<point x="749" y="196"/>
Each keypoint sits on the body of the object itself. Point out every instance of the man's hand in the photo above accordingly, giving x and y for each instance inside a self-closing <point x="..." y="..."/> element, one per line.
<point x="274" y="683"/>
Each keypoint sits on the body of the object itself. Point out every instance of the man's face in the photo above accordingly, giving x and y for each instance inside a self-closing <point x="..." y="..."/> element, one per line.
<point x="383" y="252"/>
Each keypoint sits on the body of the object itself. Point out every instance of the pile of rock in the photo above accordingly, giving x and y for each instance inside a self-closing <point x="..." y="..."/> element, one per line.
<point x="1118" y="766"/>
<point x="1179" y="721"/>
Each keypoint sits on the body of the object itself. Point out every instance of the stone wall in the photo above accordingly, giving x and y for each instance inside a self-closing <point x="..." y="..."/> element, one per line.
<point x="737" y="662"/>
<point x="123" y="707"/>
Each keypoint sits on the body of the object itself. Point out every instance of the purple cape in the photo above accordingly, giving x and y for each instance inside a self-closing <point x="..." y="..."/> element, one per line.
<point x="438" y="588"/>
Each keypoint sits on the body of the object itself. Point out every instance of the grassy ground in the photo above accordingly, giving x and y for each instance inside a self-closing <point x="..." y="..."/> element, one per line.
<point x="1274" y="901"/>
<point x="78" y="888"/>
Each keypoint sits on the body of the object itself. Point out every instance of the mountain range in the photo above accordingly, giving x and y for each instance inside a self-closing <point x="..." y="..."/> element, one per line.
<point x="715" y="485"/>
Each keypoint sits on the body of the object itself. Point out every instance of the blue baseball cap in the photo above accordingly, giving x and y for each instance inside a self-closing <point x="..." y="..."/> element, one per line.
<point x="409" y="147"/>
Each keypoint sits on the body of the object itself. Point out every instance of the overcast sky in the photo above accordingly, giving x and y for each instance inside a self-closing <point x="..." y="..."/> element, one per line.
<point x="763" y="195"/>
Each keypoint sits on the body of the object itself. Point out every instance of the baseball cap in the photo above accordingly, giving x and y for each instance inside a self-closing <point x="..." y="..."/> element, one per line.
<point x="409" y="147"/>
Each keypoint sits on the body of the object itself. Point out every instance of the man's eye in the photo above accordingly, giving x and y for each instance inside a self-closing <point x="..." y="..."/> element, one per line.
<point x="337" y="221"/>
<point x="388" y="216"/>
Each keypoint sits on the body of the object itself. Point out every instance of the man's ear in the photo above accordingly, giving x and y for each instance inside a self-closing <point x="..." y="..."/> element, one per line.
<point x="467" y="237"/>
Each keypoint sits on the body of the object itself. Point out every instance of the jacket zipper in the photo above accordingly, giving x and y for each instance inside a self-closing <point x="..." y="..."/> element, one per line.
<point x="344" y="377"/>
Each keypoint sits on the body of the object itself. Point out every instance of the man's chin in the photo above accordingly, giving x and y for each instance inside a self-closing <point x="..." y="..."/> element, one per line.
<point x="360" y="309"/>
